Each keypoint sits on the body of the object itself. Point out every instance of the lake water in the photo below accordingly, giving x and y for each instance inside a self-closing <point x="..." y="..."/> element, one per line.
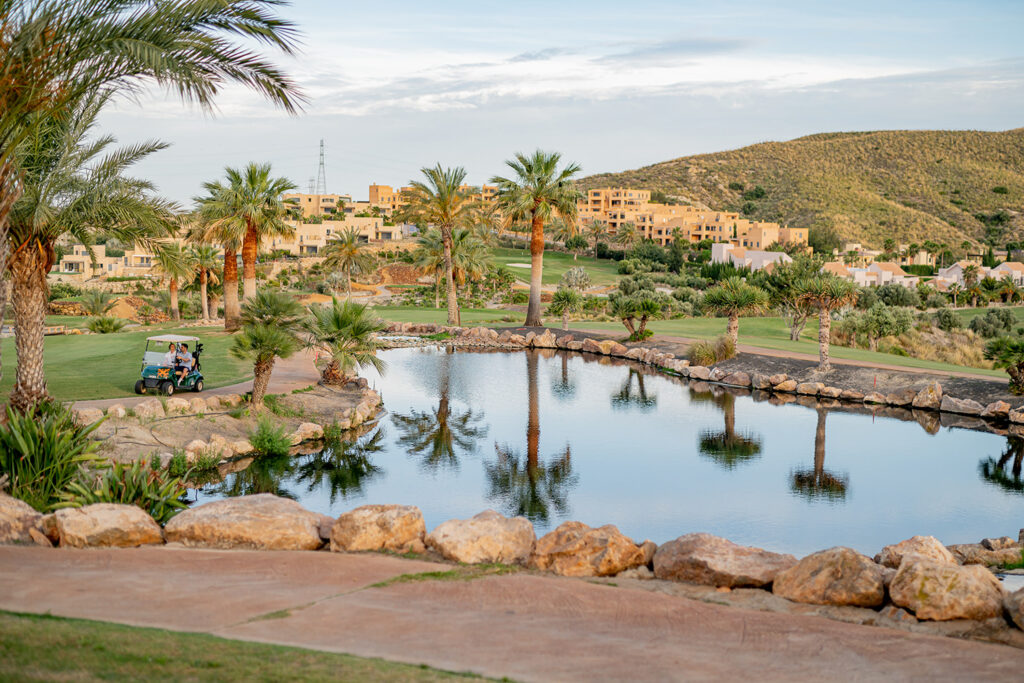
<point x="558" y="436"/>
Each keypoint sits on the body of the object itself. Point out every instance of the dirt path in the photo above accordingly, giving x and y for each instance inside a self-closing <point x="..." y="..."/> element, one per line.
<point x="525" y="626"/>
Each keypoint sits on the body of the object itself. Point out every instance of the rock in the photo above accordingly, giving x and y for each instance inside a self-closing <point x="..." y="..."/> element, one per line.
<point x="117" y="411"/>
<point x="545" y="341"/>
<point x="16" y="518"/>
<point x="642" y="573"/>
<point x="504" y="337"/>
<point x="307" y="431"/>
<point x="777" y="378"/>
<point x="231" y="400"/>
<point x="875" y="397"/>
<point x="999" y="410"/>
<point x="888" y="574"/>
<point x="960" y="406"/>
<point x="241" y="447"/>
<point x="377" y="527"/>
<point x="48" y="525"/>
<point x="809" y="388"/>
<point x="487" y="537"/>
<point x="196" y="446"/>
<point x="591" y="346"/>
<point x="106" y="525"/>
<point x="837" y="576"/>
<point x="1014" y="606"/>
<point x="830" y="392"/>
<point x="903" y="397"/>
<point x="574" y="346"/>
<point x="927" y="547"/>
<point x="717" y="374"/>
<point x="897" y="614"/>
<point x="1017" y="416"/>
<point x="929" y="398"/>
<point x="575" y="549"/>
<point x="610" y="347"/>
<point x="86" y="416"/>
<point x="760" y="381"/>
<point x="39" y="538"/>
<point x="197" y="405"/>
<point x="939" y="591"/>
<point x="220" y="446"/>
<point x="1001" y="543"/>
<point x="737" y="379"/>
<point x="700" y="372"/>
<point x="710" y="560"/>
<point x="324" y="527"/>
<point x="176" y="406"/>
<point x="149" y="409"/>
<point x="649" y="548"/>
<point x="851" y="395"/>
<point x="517" y="340"/>
<point x="260" y="522"/>
<point x="530" y="336"/>
<point x="975" y="553"/>
<point x="213" y="403"/>
<point x="787" y="386"/>
<point x="636" y="354"/>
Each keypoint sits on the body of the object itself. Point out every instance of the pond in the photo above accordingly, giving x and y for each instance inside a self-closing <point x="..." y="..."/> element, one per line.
<point x="557" y="436"/>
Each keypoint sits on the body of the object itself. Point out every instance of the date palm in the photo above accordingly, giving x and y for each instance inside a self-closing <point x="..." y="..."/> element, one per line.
<point x="177" y="264"/>
<point x="538" y="191"/>
<point x="346" y="253"/>
<point x="732" y="298"/>
<point x="826" y="294"/>
<point x="955" y="291"/>
<point x="270" y="323"/>
<point x="470" y="259"/>
<point x="439" y="201"/>
<point x="597" y="231"/>
<point x="344" y="334"/>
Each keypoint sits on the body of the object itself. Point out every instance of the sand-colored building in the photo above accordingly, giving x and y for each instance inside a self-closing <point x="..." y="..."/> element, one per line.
<point x="324" y="205"/>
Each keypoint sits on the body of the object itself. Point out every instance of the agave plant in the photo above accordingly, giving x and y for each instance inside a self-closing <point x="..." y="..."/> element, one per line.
<point x="151" y="489"/>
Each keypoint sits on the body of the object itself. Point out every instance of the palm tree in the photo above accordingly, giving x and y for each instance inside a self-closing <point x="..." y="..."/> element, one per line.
<point x="733" y="297"/>
<point x="565" y="302"/>
<point x="206" y="261"/>
<point x="96" y="302"/>
<point x="538" y="191"/>
<point x="597" y="231"/>
<point x="270" y="321"/>
<point x="71" y="184"/>
<point x="627" y="235"/>
<point x="487" y="221"/>
<point x="955" y="290"/>
<point x="347" y="253"/>
<point x="176" y="264"/>
<point x="470" y="259"/>
<point x="344" y="332"/>
<point x="212" y="228"/>
<point x="972" y="275"/>
<point x="440" y="202"/>
<point x="826" y="293"/>
<point x="819" y="482"/>
<point x="625" y="398"/>
<point x="344" y="466"/>
<point x="728" y="447"/>
<point x="1008" y="289"/>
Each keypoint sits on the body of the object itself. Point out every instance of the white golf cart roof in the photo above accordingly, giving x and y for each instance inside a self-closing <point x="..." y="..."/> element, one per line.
<point x="176" y="338"/>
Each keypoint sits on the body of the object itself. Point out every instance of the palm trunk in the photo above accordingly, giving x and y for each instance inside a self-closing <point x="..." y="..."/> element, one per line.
<point x="824" y="338"/>
<point x="732" y="328"/>
<point x="260" y="380"/>
<point x="175" y="313"/>
<point x="536" y="269"/>
<point x="565" y="320"/>
<point x="628" y="322"/>
<point x="437" y="290"/>
<point x="28" y="299"/>
<point x="202" y="295"/>
<point x="449" y="276"/>
<point x="232" y="311"/>
<point x="250" y="248"/>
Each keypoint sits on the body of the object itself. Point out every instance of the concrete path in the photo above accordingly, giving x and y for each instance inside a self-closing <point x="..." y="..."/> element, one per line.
<point x="524" y="626"/>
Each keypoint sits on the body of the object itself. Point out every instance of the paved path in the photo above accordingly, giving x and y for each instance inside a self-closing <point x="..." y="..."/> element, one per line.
<point x="525" y="626"/>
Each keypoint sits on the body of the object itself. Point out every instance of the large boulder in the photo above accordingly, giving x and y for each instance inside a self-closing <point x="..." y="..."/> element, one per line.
<point x="148" y="409"/>
<point x="176" y="406"/>
<point x="546" y="340"/>
<point x="976" y="553"/>
<point x="700" y="372"/>
<point x="307" y="431"/>
<point x="927" y="547"/>
<point x="929" y="398"/>
<point x="941" y="591"/>
<point x="116" y="411"/>
<point x="997" y="410"/>
<point x="710" y="560"/>
<point x="1014" y="604"/>
<point x="788" y="386"/>
<point x="378" y="527"/>
<point x="591" y="346"/>
<point x="575" y="549"/>
<point x="16" y="519"/>
<point x="86" y="416"/>
<point x="961" y="406"/>
<point x="902" y="397"/>
<point x="737" y="379"/>
<point x="487" y="537"/>
<point x="837" y="576"/>
<point x="104" y="525"/>
<point x="260" y="522"/>
<point x="809" y="388"/>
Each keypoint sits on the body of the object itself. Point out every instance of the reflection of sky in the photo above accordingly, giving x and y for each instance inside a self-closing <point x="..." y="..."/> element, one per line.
<point x="641" y="470"/>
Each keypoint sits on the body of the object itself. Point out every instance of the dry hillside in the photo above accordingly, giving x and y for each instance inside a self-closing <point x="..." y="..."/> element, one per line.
<point x="910" y="185"/>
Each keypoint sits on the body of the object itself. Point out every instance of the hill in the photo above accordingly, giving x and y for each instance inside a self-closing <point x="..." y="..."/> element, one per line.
<point x="946" y="186"/>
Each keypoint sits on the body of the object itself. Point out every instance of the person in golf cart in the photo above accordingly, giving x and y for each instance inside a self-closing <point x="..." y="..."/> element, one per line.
<point x="177" y="369"/>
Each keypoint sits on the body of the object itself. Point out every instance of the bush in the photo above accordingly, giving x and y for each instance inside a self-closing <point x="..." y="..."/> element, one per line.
<point x="269" y="439"/>
<point x="63" y="290"/>
<point x="1001" y="189"/>
<point x="947" y="321"/>
<point x="708" y="353"/>
<point x="755" y="193"/>
<point x="41" y="452"/>
<point x="520" y="297"/>
<point x="601" y="250"/>
<point x="648" y="251"/>
<point x="995" y="322"/>
<point x="156" y="492"/>
<point x="919" y="270"/>
<point x="866" y="298"/>
<point x="632" y="266"/>
<point x="897" y="295"/>
<point x="736" y="187"/>
<point x="106" y="325"/>
<point x="936" y="300"/>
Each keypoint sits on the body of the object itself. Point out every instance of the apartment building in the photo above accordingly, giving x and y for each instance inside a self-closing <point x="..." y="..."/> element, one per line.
<point x="78" y="265"/>
<point x="309" y="239"/>
<point x="324" y="205"/>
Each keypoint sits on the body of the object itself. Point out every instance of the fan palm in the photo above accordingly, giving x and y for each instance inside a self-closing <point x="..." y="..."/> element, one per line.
<point x="470" y="258"/>
<point x="538" y="191"/>
<point x="732" y="298"/>
<point x="826" y="293"/>
<point x="206" y="261"/>
<point x="955" y="290"/>
<point x="344" y="332"/>
<point x="1008" y="289"/>
<point x="176" y="264"/>
<point x="345" y="252"/>
<point x="565" y="302"/>
<point x="597" y="231"/>
<point x="627" y="235"/>
<point x="270" y="322"/>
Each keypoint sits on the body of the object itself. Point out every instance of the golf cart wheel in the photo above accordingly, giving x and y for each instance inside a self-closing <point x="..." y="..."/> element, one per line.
<point x="198" y="386"/>
<point x="167" y="388"/>
<point x="140" y="387"/>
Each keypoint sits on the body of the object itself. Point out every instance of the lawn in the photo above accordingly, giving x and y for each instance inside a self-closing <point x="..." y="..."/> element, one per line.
<point x="44" y="648"/>
<point x="967" y="314"/>
<point x="601" y="271"/>
<point x="80" y="367"/>
<point x="416" y="314"/>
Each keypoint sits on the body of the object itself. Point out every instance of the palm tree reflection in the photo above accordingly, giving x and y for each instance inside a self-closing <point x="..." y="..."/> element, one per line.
<point x="524" y="486"/>
<point x="626" y="397"/>
<point x="564" y="387"/>
<point x="819" y="483"/>
<point x="343" y="467"/>
<point x="727" y="447"/>
<point x="265" y="475"/>
<point x="995" y="471"/>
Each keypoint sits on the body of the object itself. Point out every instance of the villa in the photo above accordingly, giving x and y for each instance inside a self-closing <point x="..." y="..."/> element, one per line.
<point x="741" y="257"/>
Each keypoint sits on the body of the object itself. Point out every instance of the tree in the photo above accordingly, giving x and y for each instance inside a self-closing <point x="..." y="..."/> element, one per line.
<point x="565" y="302"/>
<point x="884" y="321"/>
<point x="576" y="244"/>
<point x="1008" y="353"/>
<point x="71" y="184"/>
<point x="270" y="321"/>
<point x="177" y="265"/>
<point x="1008" y="289"/>
<point x="470" y="259"/>
<point x="345" y="252"/>
<point x="440" y="202"/>
<point x="206" y="261"/>
<point x="627" y="235"/>
<point x="732" y="298"/>
<point x="538" y="191"/>
<point x="819" y="482"/>
<point x="826" y="293"/>
<point x="781" y="285"/>
<point x="728" y="447"/>
<point x="597" y="231"/>
<point x="344" y="335"/>
<point x="955" y="290"/>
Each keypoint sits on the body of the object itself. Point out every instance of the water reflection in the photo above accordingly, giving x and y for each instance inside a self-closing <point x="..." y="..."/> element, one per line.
<point x="525" y="486"/>
<point x="728" y="447"/>
<point x="994" y="471"/>
<point x="628" y="397"/>
<point x="564" y="388"/>
<point x="264" y="475"/>
<point x="342" y="468"/>
<point x="819" y="483"/>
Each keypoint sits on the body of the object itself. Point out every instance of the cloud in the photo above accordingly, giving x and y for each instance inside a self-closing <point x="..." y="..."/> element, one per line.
<point x="539" y="55"/>
<point x="672" y="49"/>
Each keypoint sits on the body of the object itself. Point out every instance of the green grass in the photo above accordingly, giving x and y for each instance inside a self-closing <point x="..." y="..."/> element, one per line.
<point x="460" y="573"/>
<point x="44" y="648"/>
<point x="415" y="314"/>
<point x="601" y="271"/>
<point x="968" y="314"/>
<point x="81" y="367"/>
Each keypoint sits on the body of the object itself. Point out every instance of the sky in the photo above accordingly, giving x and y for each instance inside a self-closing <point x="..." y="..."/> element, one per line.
<point x="396" y="86"/>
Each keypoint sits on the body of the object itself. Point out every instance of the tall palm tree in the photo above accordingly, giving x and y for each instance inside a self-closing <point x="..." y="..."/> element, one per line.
<point x="346" y="253"/>
<point x="819" y="482"/>
<point x="538" y="191"/>
<point x="212" y="229"/>
<point x="826" y="293"/>
<point x="732" y="298"/>
<point x="206" y="262"/>
<point x="955" y="290"/>
<point x="440" y="202"/>
<point x="270" y="322"/>
<point x="627" y="235"/>
<point x="71" y="184"/>
<point x="470" y="259"/>
<point x="596" y="231"/>
<point x="345" y="333"/>
<point x="177" y="265"/>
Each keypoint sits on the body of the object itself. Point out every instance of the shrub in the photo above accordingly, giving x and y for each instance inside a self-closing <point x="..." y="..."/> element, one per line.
<point x="156" y="492"/>
<point x="632" y="266"/>
<point x="995" y="322"/>
<point x="735" y="186"/>
<point x="178" y="464"/>
<point x="897" y="295"/>
<point x="919" y="270"/>
<point x="63" y="290"/>
<point x="755" y="193"/>
<point x="520" y="297"/>
<point x="708" y="353"/>
<point x="648" y="251"/>
<point x="41" y="452"/>
<point x="106" y="325"/>
<point x="1001" y="189"/>
<point x="269" y="439"/>
<point x="725" y="348"/>
<point x="866" y="298"/>
<point x="947" y="321"/>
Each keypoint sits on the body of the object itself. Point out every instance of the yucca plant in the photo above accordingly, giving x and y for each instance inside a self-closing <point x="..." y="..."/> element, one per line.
<point x="140" y="484"/>
<point x="733" y="298"/>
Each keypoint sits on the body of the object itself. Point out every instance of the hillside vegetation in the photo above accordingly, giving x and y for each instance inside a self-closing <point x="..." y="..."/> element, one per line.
<point x="946" y="186"/>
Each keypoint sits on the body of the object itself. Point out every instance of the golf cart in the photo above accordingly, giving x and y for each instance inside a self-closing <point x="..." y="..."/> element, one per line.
<point x="158" y="375"/>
